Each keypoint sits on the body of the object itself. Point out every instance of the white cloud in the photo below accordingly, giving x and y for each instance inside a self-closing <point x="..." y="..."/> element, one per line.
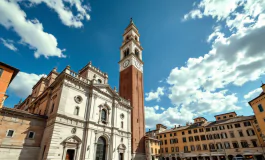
<point x="235" y="58"/>
<point x="9" y="44"/>
<point x="64" y="10"/>
<point x="170" y="117"/>
<point x="31" y="33"/>
<point x="252" y="94"/>
<point x="23" y="83"/>
<point x="155" y="95"/>
<point x="156" y="107"/>
<point x="71" y="13"/>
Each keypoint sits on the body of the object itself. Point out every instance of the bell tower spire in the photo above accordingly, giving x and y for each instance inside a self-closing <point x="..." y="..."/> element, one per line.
<point x="131" y="86"/>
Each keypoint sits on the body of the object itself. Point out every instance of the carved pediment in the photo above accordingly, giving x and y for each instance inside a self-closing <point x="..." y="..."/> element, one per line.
<point x="107" y="89"/>
<point x="73" y="139"/>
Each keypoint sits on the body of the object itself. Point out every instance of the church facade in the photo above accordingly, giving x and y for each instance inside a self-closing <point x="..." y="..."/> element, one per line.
<point x="78" y="116"/>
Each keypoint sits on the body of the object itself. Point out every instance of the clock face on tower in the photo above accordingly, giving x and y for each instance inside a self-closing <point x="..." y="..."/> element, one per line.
<point x="126" y="63"/>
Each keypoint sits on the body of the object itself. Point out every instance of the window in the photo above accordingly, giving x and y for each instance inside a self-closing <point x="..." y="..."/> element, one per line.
<point x="201" y="130"/>
<point x="1" y="71"/>
<point x="126" y="52"/>
<point x="137" y="53"/>
<point x="192" y="148"/>
<point x="250" y="132"/>
<point x="209" y="137"/>
<point x="186" y="148"/>
<point x="197" y="138"/>
<point x="216" y="136"/>
<point x="224" y="117"/>
<point x="172" y="149"/>
<point x="195" y="131"/>
<point x="31" y="135"/>
<point x="52" y="107"/>
<point x="218" y="118"/>
<point x="214" y="128"/>
<point x="162" y="150"/>
<point x="208" y="129"/>
<point x="221" y="127"/>
<point x="254" y="143"/>
<point x="166" y="149"/>
<point x="121" y="124"/>
<point x="244" y="144"/>
<point x="76" y="112"/>
<point x="99" y="81"/>
<point x="170" y="134"/>
<point x="177" y="149"/>
<point x="190" y="139"/>
<point x="230" y="115"/>
<point x="229" y="126"/>
<point x="260" y="108"/>
<point x="247" y="124"/>
<point x="204" y="146"/>
<point x="240" y="133"/>
<point x="103" y="115"/>
<point x="165" y="135"/>
<point x="189" y="131"/>
<point x="198" y="147"/>
<point x="237" y="125"/>
<point x="136" y="38"/>
<point x="227" y="145"/>
<point x="211" y="146"/>
<point x="175" y="134"/>
<point x="10" y="133"/>
<point x="184" y="139"/>
<point x="183" y="133"/>
<point x="235" y="145"/>
<point x="203" y="137"/>
<point x="165" y="142"/>
<point x="219" y="146"/>
<point x="223" y="135"/>
<point x="160" y="136"/>
<point x="232" y="135"/>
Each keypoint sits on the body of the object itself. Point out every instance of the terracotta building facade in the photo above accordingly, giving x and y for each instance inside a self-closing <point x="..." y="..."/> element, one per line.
<point x="258" y="106"/>
<point x="228" y="137"/>
<point x="7" y="74"/>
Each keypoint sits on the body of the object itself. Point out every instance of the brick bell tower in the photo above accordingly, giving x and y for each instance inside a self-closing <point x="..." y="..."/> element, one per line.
<point x="131" y="86"/>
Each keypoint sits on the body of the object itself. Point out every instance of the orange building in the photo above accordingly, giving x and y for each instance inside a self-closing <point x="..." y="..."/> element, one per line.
<point x="7" y="74"/>
<point x="227" y="137"/>
<point x="258" y="106"/>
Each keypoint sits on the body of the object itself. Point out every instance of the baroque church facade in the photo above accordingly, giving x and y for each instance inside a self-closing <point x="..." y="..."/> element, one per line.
<point x="78" y="116"/>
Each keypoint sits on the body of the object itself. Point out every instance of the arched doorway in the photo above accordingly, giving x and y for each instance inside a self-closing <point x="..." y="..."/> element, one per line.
<point x="121" y="151"/>
<point x="101" y="149"/>
<point x="71" y="147"/>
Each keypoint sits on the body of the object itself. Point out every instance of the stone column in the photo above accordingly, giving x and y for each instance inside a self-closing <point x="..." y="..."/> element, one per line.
<point x="211" y="158"/>
<point x="218" y="157"/>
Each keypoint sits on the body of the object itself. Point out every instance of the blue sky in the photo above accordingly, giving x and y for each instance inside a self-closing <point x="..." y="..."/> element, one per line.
<point x="200" y="59"/>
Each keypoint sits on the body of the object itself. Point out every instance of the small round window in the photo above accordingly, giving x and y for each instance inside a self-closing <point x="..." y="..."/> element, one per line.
<point x="73" y="130"/>
<point x="78" y="99"/>
<point x="122" y="116"/>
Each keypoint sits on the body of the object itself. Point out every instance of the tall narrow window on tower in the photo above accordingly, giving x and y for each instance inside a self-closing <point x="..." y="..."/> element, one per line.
<point x="137" y="52"/>
<point x="126" y="52"/>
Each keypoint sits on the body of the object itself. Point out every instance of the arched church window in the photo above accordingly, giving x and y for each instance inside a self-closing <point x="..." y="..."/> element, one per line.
<point x="137" y="52"/>
<point x="127" y="38"/>
<point x="76" y="112"/>
<point x="101" y="149"/>
<point x="103" y="115"/>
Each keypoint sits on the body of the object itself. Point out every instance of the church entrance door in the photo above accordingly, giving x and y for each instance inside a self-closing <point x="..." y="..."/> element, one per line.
<point x="70" y="154"/>
<point x="121" y="156"/>
<point x="101" y="149"/>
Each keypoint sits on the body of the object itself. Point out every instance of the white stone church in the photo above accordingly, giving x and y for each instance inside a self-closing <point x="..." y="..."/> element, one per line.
<point x="77" y="115"/>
